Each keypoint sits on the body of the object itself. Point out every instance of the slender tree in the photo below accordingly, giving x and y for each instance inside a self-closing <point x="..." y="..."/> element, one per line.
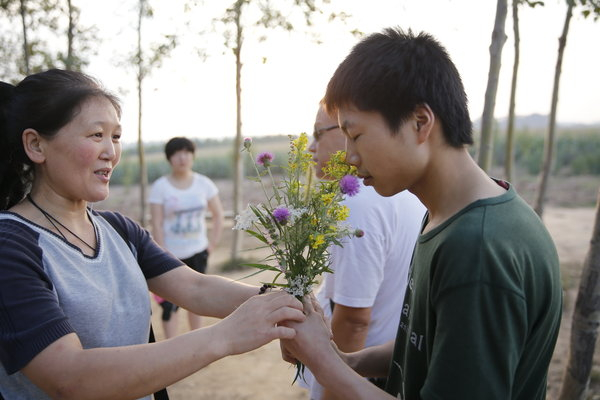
<point x="33" y="16"/>
<point x="585" y="322"/>
<point x="551" y="133"/>
<point x="26" y="55"/>
<point x="487" y="119"/>
<point x="40" y="22"/>
<point x="235" y="20"/>
<point x="81" y="41"/>
<point x="144" y="62"/>
<point x="586" y="315"/>
<point x="509" y="155"/>
<point x="588" y="8"/>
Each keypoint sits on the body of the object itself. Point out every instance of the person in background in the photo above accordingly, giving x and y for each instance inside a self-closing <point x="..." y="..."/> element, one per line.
<point x="363" y="297"/>
<point x="74" y="304"/>
<point x="483" y="305"/>
<point x="178" y="205"/>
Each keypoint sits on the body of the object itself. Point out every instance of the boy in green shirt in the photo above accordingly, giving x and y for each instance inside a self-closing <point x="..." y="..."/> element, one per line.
<point x="482" y="309"/>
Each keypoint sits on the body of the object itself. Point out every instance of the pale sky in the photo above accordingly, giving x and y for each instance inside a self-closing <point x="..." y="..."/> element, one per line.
<point x="196" y="98"/>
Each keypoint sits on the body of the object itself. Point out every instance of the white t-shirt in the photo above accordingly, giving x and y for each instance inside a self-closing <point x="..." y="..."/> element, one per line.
<point x="372" y="271"/>
<point x="184" y="214"/>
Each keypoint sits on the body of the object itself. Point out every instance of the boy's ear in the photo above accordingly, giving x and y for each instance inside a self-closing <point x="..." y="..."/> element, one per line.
<point x="424" y="119"/>
<point x="33" y="145"/>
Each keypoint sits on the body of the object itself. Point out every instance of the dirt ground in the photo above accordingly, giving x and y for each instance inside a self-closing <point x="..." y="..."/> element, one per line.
<point x="261" y="374"/>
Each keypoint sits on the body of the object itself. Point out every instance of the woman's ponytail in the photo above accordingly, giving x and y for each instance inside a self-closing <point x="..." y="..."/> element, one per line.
<point x="12" y="172"/>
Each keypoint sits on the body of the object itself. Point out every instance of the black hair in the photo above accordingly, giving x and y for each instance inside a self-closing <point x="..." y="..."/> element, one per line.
<point x="179" y="143"/>
<point x="46" y="102"/>
<point x="393" y="72"/>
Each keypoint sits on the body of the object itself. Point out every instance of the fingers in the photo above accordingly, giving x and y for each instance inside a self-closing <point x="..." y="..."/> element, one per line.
<point x="281" y="299"/>
<point x="309" y="306"/>
<point x="283" y="332"/>
<point x="285" y="314"/>
<point x="286" y="355"/>
<point x="315" y="303"/>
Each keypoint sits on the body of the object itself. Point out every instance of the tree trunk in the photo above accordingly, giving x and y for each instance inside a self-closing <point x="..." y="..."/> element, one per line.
<point x="25" y="41"/>
<point x="549" y="142"/>
<point x="69" y="59"/>
<point x="487" y="119"/>
<point x="586" y="319"/>
<point x="140" y="81"/>
<point x="509" y="156"/>
<point x="238" y="169"/>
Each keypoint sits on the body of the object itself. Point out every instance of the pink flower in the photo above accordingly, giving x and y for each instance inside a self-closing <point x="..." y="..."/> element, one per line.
<point x="265" y="158"/>
<point x="349" y="185"/>
<point x="281" y="215"/>
<point x="247" y="143"/>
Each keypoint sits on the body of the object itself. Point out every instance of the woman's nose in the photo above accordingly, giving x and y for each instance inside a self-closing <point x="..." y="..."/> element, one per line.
<point x="109" y="151"/>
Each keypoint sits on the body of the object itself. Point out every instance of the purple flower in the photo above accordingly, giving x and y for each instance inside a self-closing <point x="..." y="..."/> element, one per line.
<point x="265" y="158"/>
<point x="349" y="185"/>
<point x="281" y="215"/>
<point x="247" y="143"/>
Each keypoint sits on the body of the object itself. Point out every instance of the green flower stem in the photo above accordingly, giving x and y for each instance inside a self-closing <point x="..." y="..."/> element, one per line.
<point x="258" y="175"/>
<point x="275" y="190"/>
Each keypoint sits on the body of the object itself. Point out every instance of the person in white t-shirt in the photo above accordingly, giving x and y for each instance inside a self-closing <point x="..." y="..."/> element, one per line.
<point x="178" y="204"/>
<point x="363" y="297"/>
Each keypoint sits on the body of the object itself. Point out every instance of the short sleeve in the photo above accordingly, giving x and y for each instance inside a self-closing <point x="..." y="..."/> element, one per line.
<point x="30" y="314"/>
<point x="156" y="195"/>
<point x="474" y="325"/>
<point x="359" y="265"/>
<point x="209" y="187"/>
<point x="152" y="259"/>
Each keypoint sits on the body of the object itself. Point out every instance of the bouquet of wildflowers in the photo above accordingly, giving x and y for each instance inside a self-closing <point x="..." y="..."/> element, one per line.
<point x="299" y="219"/>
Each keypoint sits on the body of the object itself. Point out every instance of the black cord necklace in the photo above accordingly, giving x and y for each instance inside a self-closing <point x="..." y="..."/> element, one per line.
<point x="55" y="221"/>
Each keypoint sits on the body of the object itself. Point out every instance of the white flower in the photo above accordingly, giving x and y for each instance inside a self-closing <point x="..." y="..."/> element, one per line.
<point x="297" y="213"/>
<point x="299" y="285"/>
<point x="245" y="220"/>
<point x="343" y="229"/>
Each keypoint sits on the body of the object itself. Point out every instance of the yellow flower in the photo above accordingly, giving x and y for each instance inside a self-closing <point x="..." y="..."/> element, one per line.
<point x="299" y="158"/>
<point x="317" y="241"/>
<point x="327" y="198"/>
<point x="342" y="213"/>
<point x="301" y="143"/>
<point x="337" y="166"/>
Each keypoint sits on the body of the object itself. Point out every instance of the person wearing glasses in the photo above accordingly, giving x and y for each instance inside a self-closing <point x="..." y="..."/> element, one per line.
<point x="363" y="297"/>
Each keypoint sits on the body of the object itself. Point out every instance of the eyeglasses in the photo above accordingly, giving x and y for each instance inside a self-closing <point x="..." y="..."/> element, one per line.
<point x="317" y="133"/>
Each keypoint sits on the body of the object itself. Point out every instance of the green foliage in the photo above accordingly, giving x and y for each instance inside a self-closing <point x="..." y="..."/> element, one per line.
<point x="46" y="21"/>
<point x="590" y="8"/>
<point x="577" y="152"/>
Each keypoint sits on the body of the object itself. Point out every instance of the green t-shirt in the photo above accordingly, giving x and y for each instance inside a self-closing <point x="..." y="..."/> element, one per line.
<point x="482" y="311"/>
